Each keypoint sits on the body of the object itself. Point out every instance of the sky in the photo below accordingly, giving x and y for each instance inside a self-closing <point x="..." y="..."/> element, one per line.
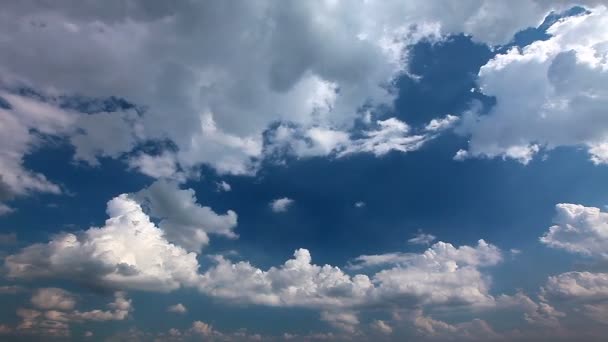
<point x="322" y="170"/>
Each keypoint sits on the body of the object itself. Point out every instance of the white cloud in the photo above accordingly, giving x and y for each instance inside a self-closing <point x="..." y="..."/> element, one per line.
<point x="443" y="275"/>
<point x="183" y="221"/>
<point x="157" y="166"/>
<point x="550" y="93"/>
<point x="280" y="205"/>
<point x="579" y="229"/>
<point x="178" y="308"/>
<point x="391" y="135"/>
<point x="22" y="130"/>
<point x="55" y="312"/>
<point x="382" y="327"/>
<point x="53" y="298"/>
<point x="436" y="125"/>
<point x="422" y="239"/>
<point x="313" y="64"/>
<point x="127" y="252"/>
<point x="223" y="186"/>
<point x="359" y="204"/>
<point x="580" y="285"/>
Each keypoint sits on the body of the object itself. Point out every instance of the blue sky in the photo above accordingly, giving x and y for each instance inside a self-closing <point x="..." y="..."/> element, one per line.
<point x="303" y="171"/>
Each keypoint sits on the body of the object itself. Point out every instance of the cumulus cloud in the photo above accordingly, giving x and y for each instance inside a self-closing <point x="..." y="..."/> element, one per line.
<point x="579" y="229"/>
<point x="55" y="313"/>
<point x="183" y="221"/>
<point x="561" y="100"/>
<point x="53" y="298"/>
<point x="280" y="205"/>
<point x="178" y="308"/>
<point x="577" y="285"/>
<point x="314" y="65"/>
<point x="128" y="252"/>
<point x="442" y="275"/>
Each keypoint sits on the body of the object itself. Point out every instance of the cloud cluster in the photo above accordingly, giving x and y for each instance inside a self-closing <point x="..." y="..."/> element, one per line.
<point x="54" y="312"/>
<point x="128" y="252"/>
<point x="319" y="66"/>
<point x="581" y="230"/>
<point x="548" y="94"/>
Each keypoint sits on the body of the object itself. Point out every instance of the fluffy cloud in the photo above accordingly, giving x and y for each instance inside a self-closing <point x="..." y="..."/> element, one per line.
<point x="550" y="93"/>
<point x="183" y="221"/>
<point x="53" y="298"/>
<point x="127" y="252"/>
<point x="55" y="312"/>
<point x="280" y="205"/>
<point x="443" y="275"/>
<point x="579" y="229"/>
<point x="314" y="65"/>
<point x="579" y="285"/>
<point x="178" y="308"/>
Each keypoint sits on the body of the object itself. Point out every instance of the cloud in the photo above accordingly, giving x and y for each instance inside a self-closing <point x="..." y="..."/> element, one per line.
<point x="550" y="93"/>
<point x="128" y="252"/>
<point x="178" y="308"/>
<point x="436" y="125"/>
<point x="579" y="285"/>
<point x="183" y="221"/>
<point x="215" y="108"/>
<point x="443" y="275"/>
<point x="579" y="229"/>
<point x="23" y="125"/>
<point x="5" y="209"/>
<point x="53" y="298"/>
<point x="422" y="239"/>
<point x="382" y="327"/>
<point x="223" y="186"/>
<point x="280" y="205"/>
<point x="55" y="313"/>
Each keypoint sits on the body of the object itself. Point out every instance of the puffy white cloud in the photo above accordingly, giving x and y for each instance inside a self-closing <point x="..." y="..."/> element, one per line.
<point x="53" y="298"/>
<point x="280" y="205"/>
<point x="178" y="308"/>
<point x="127" y="252"/>
<point x="550" y="93"/>
<point x="57" y="313"/>
<point x="577" y="285"/>
<point x="223" y="186"/>
<point x="183" y="221"/>
<point x="157" y="166"/>
<point x="579" y="229"/>
<point x="443" y="275"/>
